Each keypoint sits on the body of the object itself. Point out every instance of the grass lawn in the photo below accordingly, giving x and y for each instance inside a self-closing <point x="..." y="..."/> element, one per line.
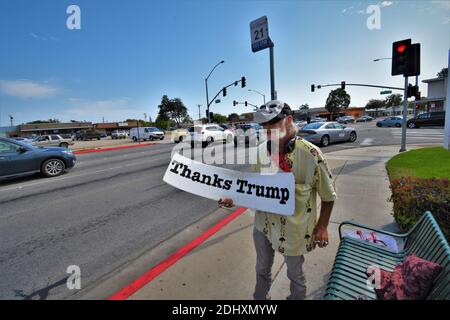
<point x="420" y="163"/>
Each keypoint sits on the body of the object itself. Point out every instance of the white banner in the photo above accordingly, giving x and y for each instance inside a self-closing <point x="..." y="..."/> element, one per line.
<point x="273" y="193"/>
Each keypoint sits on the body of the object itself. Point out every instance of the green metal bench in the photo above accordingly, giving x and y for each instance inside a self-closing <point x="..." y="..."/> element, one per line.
<point x="348" y="278"/>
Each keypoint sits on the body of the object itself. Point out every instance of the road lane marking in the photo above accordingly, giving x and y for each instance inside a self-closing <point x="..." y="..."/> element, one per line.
<point x="366" y="142"/>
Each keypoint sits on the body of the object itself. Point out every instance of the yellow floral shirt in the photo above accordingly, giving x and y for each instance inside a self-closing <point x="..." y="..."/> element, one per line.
<point x="291" y="235"/>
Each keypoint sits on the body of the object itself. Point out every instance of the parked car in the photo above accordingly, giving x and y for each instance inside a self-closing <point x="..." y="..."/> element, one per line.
<point x="246" y="132"/>
<point x="324" y="133"/>
<point x="52" y="140"/>
<point x="24" y="139"/>
<point x="178" y="135"/>
<point x="208" y="133"/>
<point x="17" y="158"/>
<point x="118" y="134"/>
<point x="395" y="121"/>
<point x="364" y="119"/>
<point x="146" y="133"/>
<point x="317" y="119"/>
<point x="427" y="119"/>
<point x="346" y="119"/>
<point x="300" y="123"/>
<point x="88" y="135"/>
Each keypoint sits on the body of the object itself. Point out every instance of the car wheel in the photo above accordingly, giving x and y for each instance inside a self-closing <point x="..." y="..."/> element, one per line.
<point x="98" y="138"/>
<point x="379" y="125"/>
<point x="64" y="145"/>
<point x="411" y="125"/>
<point x="180" y="139"/>
<point x="162" y="138"/>
<point x="325" y="141"/>
<point x="398" y="125"/>
<point x="134" y="139"/>
<point x="209" y="140"/>
<point x="353" y="136"/>
<point x="53" y="167"/>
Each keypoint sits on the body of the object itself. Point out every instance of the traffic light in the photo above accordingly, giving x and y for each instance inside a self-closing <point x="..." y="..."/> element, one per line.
<point x="235" y="83"/>
<point x="211" y="115"/>
<point x="224" y="92"/>
<point x="417" y="95"/>
<point x="400" y="51"/>
<point x="245" y="103"/>
<point x="413" y="91"/>
<point x="405" y="58"/>
<point x="243" y="82"/>
<point x="343" y="85"/>
<point x="234" y="103"/>
<point x="313" y="87"/>
<point x="207" y="114"/>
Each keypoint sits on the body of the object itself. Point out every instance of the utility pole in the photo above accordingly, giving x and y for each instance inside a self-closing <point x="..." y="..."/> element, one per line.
<point x="206" y="85"/>
<point x="199" y="114"/>
<point x="273" y="93"/>
<point x="405" y="115"/>
<point x="11" y="118"/>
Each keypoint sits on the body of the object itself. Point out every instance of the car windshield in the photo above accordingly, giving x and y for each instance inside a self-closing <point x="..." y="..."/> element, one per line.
<point x="153" y="129"/>
<point x="313" y="126"/>
<point x="23" y="144"/>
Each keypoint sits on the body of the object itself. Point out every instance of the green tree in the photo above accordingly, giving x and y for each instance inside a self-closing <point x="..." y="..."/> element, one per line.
<point x="219" y="118"/>
<point x="233" y="117"/>
<point x="393" y="101"/>
<point x="337" y="100"/>
<point x="304" y="106"/>
<point x="163" y="123"/>
<point x="172" y="109"/>
<point x="443" y="73"/>
<point x="375" y="104"/>
<point x="44" y="121"/>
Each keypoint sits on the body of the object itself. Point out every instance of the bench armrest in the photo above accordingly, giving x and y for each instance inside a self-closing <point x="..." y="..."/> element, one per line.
<point x="354" y="224"/>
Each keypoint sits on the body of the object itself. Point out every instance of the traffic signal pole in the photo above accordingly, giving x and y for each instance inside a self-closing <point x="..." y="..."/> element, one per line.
<point x="405" y="115"/>
<point x="273" y="94"/>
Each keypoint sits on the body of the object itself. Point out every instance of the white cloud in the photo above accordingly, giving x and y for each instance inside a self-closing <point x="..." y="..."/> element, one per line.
<point x="112" y="108"/>
<point x="39" y="37"/>
<point x="26" y="89"/>
<point x="386" y="3"/>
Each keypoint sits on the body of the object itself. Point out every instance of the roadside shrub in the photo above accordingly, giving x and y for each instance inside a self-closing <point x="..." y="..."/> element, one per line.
<point x="414" y="196"/>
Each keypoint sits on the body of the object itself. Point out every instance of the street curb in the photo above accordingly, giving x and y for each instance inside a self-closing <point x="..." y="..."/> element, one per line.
<point x="151" y="274"/>
<point x="113" y="148"/>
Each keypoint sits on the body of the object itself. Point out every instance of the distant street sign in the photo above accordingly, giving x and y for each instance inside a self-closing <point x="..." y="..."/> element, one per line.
<point x="259" y="33"/>
<point x="386" y="92"/>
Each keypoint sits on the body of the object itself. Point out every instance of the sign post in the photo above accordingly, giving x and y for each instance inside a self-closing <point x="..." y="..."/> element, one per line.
<point x="259" y="34"/>
<point x="447" y="112"/>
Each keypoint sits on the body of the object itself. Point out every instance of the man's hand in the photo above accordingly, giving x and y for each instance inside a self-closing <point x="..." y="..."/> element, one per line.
<point x="226" y="202"/>
<point x="320" y="236"/>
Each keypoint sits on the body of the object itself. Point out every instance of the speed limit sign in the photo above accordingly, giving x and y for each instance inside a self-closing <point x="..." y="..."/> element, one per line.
<point x="259" y="33"/>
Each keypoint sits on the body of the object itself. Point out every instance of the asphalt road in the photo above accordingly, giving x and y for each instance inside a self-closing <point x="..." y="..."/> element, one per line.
<point x="109" y="209"/>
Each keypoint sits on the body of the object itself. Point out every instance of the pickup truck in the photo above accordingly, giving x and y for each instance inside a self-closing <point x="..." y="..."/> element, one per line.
<point x="52" y="140"/>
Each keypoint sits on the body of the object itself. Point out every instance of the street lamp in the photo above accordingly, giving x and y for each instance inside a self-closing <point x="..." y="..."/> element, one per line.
<point x="264" y="97"/>
<point x="375" y="60"/>
<point x="206" y="84"/>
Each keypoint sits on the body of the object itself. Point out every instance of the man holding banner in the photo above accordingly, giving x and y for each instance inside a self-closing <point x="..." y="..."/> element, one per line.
<point x="295" y="235"/>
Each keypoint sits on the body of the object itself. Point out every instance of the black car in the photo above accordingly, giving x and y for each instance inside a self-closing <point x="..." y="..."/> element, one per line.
<point x="17" y="158"/>
<point x="88" y="135"/>
<point x="427" y="119"/>
<point x="244" y="133"/>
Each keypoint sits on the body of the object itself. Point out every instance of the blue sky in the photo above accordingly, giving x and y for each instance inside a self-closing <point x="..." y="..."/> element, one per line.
<point x="130" y="53"/>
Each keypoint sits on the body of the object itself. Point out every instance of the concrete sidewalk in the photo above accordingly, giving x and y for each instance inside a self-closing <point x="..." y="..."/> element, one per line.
<point x="223" y="267"/>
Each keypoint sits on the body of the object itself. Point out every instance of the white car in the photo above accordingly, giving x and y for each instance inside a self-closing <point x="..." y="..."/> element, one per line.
<point x="208" y="133"/>
<point x="118" y="134"/>
<point x="52" y="140"/>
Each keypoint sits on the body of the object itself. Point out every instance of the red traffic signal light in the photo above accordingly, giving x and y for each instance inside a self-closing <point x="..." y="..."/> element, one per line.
<point x="401" y="48"/>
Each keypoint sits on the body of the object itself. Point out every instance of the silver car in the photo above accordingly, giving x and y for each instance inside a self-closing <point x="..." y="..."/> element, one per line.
<point x="324" y="133"/>
<point x="52" y="140"/>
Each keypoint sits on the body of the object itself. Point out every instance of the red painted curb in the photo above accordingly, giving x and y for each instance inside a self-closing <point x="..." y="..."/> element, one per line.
<point x="113" y="148"/>
<point x="151" y="274"/>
